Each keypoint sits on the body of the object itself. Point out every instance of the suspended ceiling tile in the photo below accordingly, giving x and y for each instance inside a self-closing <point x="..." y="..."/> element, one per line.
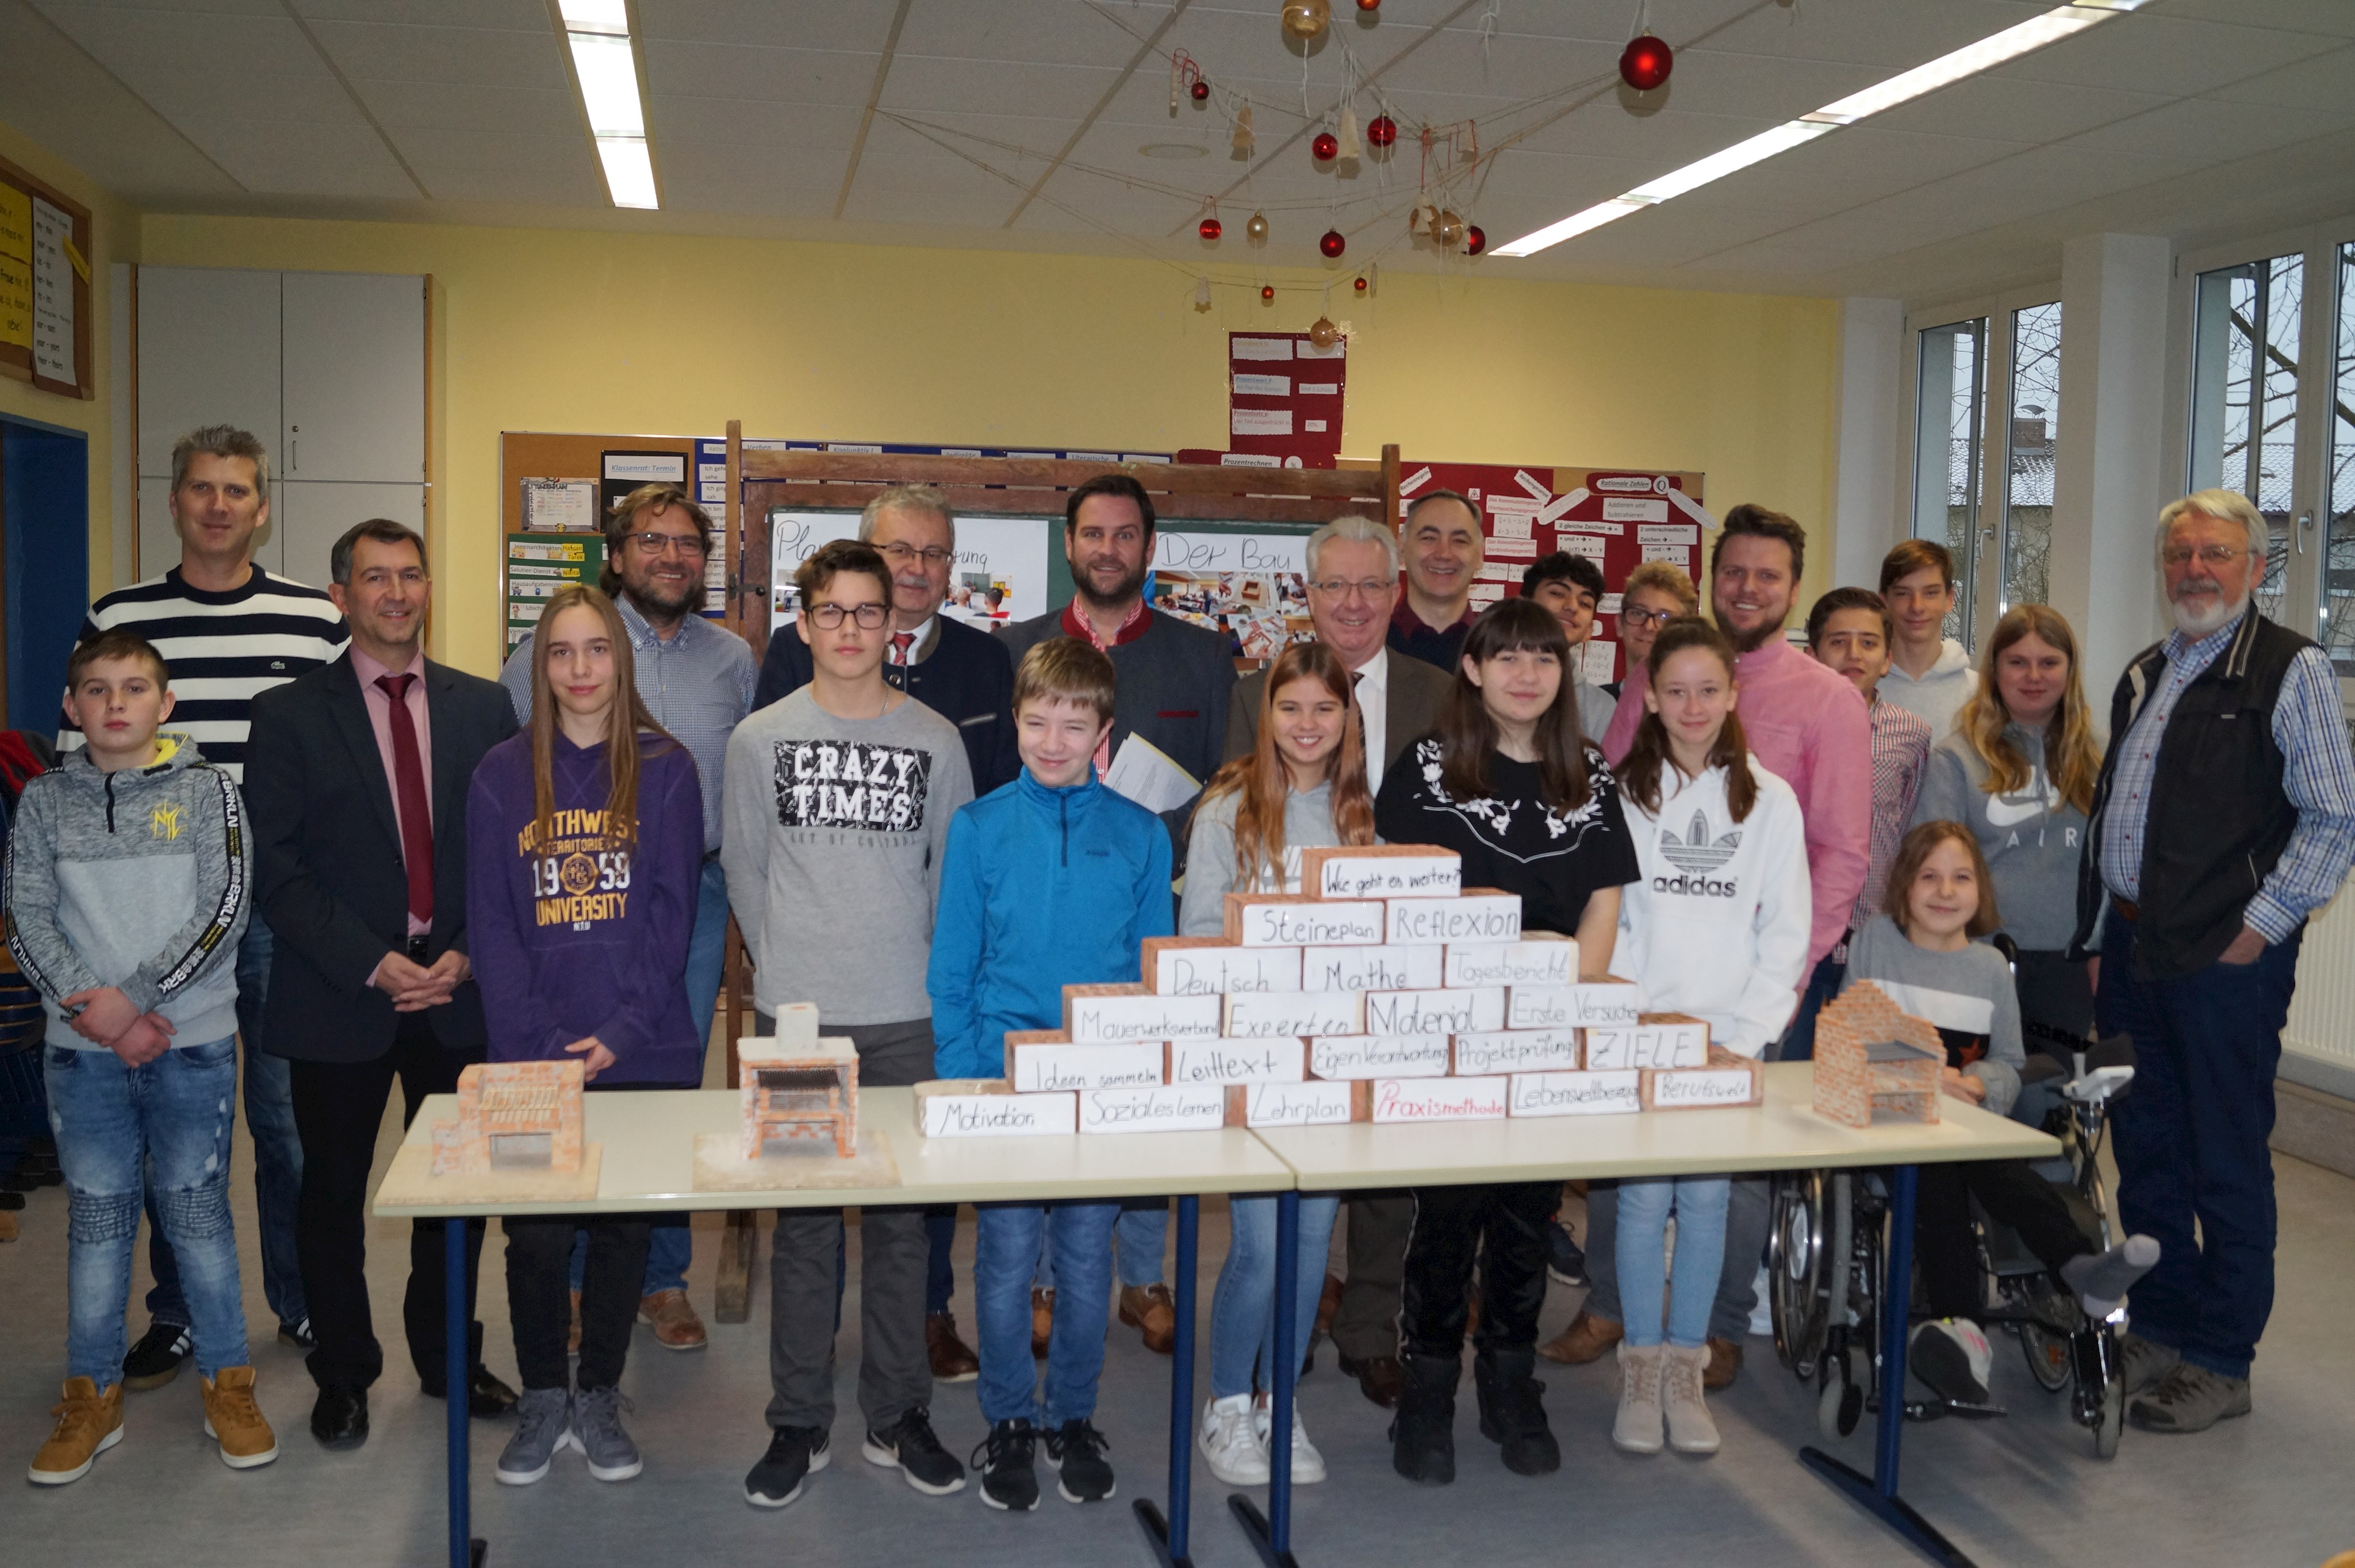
<point x="411" y="106"/>
<point x="1848" y="168"/>
<point x="50" y="84"/>
<point x="449" y="56"/>
<point x="758" y="75"/>
<point x="2153" y="53"/>
<point x="2207" y="130"/>
<point x="712" y="125"/>
<point x="1036" y="32"/>
<point x="2011" y="110"/>
<point x="954" y="86"/>
<point x="518" y="16"/>
<point x="2324" y="81"/>
<point x="1890" y="35"/>
<point x="345" y="161"/>
<point x="852" y="25"/>
<point x="2332" y="17"/>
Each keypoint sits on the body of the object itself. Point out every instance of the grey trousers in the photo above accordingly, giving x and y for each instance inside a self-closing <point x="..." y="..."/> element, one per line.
<point x="1365" y="1328"/>
<point x="895" y="1375"/>
<point x="1749" y="1214"/>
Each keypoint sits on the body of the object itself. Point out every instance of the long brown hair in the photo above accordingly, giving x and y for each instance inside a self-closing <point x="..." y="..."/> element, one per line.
<point x="626" y="719"/>
<point x="1639" y="771"/>
<point x="1467" y="734"/>
<point x="2071" y="761"/>
<point x="1260" y="780"/>
<point x="1897" y="899"/>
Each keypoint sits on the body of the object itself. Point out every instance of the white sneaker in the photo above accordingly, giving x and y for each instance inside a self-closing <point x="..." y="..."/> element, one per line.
<point x="1952" y="1358"/>
<point x="1762" y="1316"/>
<point x="1307" y="1465"/>
<point x="1229" y="1440"/>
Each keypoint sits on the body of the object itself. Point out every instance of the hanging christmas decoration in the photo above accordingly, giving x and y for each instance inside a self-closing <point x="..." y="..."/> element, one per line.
<point x="1360" y="283"/>
<point x="1266" y="293"/>
<point x="1202" y="294"/>
<point x="1370" y="6"/>
<point x="1211" y="228"/>
<point x="1348" y="134"/>
<point x="1332" y="242"/>
<point x="1381" y="130"/>
<point x="1646" y="62"/>
<point x="1256" y="230"/>
<point x="1327" y="147"/>
<point x="1186" y="77"/>
<point x="1307" y="20"/>
<point x="1449" y="231"/>
<point x="1474" y="240"/>
<point x="1423" y="219"/>
<point x="1243" y="140"/>
<point x="1201" y="91"/>
<point x="1323" y="333"/>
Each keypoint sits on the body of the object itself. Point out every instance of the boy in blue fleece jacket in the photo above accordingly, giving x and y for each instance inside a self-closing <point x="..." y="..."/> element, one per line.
<point x="1050" y="881"/>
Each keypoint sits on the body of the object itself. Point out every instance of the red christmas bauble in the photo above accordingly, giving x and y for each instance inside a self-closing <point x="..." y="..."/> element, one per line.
<point x="1370" y="6"/>
<point x="1381" y="130"/>
<point x="1211" y="229"/>
<point x="1474" y="240"/>
<point x="1326" y="148"/>
<point x="1332" y="243"/>
<point x="1201" y="91"/>
<point x="1646" y="62"/>
<point x="1359" y="285"/>
<point x="1267" y="290"/>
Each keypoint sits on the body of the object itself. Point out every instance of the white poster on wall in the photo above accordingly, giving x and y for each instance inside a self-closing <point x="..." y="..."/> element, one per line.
<point x="1252" y="587"/>
<point x="1000" y="573"/>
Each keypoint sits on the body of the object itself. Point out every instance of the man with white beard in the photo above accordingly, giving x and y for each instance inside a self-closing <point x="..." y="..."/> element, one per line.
<point x="2225" y="815"/>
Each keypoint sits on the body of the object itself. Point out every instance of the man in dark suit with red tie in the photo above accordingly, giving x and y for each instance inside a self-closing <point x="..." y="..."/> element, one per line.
<point x="355" y="780"/>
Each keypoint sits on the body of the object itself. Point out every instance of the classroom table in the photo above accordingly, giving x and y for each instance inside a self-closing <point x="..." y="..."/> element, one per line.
<point x="1782" y="1134"/>
<point x="648" y="1142"/>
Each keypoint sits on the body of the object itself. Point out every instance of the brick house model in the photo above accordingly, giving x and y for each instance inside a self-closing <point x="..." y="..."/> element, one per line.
<point x="1870" y="1054"/>
<point x="512" y="1114"/>
<point x="795" y="1089"/>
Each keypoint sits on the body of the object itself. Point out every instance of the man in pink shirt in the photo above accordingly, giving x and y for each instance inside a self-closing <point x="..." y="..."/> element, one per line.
<point x="1809" y="727"/>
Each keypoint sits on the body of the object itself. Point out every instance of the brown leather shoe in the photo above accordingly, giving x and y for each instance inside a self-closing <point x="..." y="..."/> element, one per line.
<point x="1328" y="1304"/>
<point x="1380" y="1378"/>
<point x="1589" y="1338"/>
<point x="1151" y="1307"/>
<point x="953" y="1360"/>
<point x="676" y="1326"/>
<point x="1042" y="1321"/>
<point x="1724" y="1363"/>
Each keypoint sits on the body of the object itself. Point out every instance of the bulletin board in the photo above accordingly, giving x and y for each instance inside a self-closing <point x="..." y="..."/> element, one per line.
<point x="45" y="292"/>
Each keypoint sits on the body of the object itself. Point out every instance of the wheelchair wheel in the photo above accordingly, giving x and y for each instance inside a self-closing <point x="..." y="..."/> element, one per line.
<point x="1842" y="1402"/>
<point x="2046" y="1348"/>
<point x="1794" y="1271"/>
<point x="2113" y="1422"/>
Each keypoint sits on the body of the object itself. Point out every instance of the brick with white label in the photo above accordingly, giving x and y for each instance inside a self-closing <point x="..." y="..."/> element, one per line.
<point x="1572" y="1006"/>
<point x="1174" y="1108"/>
<point x="1532" y="961"/>
<point x="1728" y="1080"/>
<point x="1518" y="1050"/>
<point x="1379" y="1056"/>
<point x="1383" y="969"/>
<point x="1653" y="1040"/>
<point x="1295" y="920"/>
<point x="1283" y="1061"/>
<point x="1310" y="1104"/>
<point x="1094" y="1015"/>
<point x="1381" y="872"/>
<point x="1440" y="1099"/>
<point x="1435" y="1012"/>
<point x="1259" y="1014"/>
<point x="1212" y="965"/>
<point x="1576" y="1094"/>
<point x="1040" y="1061"/>
<point x="1482" y="914"/>
<point x="987" y="1108"/>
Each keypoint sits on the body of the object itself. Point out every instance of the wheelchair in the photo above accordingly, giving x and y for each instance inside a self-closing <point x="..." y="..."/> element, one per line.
<point x="1829" y="1238"/>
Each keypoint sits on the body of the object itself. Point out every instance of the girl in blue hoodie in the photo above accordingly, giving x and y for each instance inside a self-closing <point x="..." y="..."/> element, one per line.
<point x="584" y="843"/>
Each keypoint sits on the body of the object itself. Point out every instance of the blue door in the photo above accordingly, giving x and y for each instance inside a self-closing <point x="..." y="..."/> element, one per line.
<point x="45" y="519"/>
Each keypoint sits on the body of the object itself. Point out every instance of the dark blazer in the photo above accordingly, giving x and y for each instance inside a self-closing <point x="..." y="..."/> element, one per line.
<point x="327" y="867"/>
<point x="1416" y="693"/>
<point x="963" y="674"/>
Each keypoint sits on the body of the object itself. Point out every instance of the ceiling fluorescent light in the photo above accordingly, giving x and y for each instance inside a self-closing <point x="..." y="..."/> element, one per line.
<point x="1970" y="60"/>
<point x="608" y="68"/>
<point x="595" y="15"/>
<point x="605" y="64"/>
<point x="629" y="171"/>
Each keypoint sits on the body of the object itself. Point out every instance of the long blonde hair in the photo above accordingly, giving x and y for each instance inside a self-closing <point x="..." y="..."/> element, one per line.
<point x="2072" y="760"/>
<point x="626" y="719"/>
<point x="1260" y="780"/>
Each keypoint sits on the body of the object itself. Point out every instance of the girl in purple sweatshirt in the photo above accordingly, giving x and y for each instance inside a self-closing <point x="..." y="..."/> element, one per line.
<point x="584" y="841"/>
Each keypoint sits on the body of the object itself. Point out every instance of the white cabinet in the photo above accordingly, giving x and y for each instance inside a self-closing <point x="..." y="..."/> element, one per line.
<point x="308" y="515"/>
<point x="353" y="387"/>
<point x="208" y="353"/>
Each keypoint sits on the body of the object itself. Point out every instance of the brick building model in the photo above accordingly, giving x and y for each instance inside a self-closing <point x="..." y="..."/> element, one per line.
<point x="796" y="1086"/>
<point x="1871" y="1055"/>
<point x="513" y="1115"/>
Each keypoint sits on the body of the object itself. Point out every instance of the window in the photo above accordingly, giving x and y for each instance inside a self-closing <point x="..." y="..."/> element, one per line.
<point x="1949" y="417"/>
<point x="2244" y="398"/>
<point x="2027" y="464"/>
<point x="2338" y="631"/>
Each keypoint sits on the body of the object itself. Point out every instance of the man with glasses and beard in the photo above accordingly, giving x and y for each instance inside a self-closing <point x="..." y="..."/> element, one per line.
<point x="2224" y="817"/>
<point x="695" y="677"/>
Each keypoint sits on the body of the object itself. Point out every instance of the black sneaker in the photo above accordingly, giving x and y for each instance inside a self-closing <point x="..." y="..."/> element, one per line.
<point x="297" y="1334"/>
<point x="795" y="1453"/>
<point x="1565" y="1259"/>
<point x="1076" y="1450"/>
<point x="155" y="1359"/>
<point x="1008" y="1465"/>
<point x="910" y="1445"/>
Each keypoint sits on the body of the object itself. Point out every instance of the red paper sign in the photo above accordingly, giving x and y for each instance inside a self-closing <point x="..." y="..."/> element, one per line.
<point x="1283" y="398"/>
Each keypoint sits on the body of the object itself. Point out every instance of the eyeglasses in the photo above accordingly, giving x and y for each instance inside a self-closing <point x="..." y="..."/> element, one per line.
<point x="662" y="544"/>
<point x="869" y="616"/>
<point x="1340" y="588"/>
<point x="2207" y="554"/>
<point x="901" y="554"/>
<point x="1639" y="619"/>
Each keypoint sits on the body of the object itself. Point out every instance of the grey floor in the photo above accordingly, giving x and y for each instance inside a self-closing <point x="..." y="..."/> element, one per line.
<point x="2271" y="1489"/>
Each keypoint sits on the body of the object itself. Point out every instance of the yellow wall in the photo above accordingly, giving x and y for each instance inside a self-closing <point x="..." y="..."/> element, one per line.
<point x="114" y="236"/>
<point x="562" y="331"/>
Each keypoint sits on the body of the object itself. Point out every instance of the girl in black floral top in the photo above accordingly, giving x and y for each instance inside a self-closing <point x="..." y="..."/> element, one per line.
<point x="1509" y="784"/>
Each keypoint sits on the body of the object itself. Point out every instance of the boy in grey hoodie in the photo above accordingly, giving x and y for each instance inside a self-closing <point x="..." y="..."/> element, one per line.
<point x="128" y="879"/>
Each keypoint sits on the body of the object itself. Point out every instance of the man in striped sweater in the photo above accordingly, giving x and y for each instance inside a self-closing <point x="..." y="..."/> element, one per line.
<point x="229" y="631"/>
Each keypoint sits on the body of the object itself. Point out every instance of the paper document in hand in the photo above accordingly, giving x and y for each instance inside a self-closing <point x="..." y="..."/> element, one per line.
<point x="1143" y="772"/>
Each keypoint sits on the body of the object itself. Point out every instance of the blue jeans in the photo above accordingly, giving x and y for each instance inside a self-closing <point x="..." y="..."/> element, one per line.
<point x="2191" y="1143"/>
<point x="1140" y="1240"/>
<point x="1006" y="1238"/>
<point x="277" y="1160"/>
<point x="170" y="1119"/>
<point x="1242" y="1310"/>
<point x="1641" y="1253"/>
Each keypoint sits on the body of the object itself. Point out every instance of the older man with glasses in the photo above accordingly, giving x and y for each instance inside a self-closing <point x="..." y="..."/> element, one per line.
<point x="695" y="677"/>
<point x="2224" y="817"/>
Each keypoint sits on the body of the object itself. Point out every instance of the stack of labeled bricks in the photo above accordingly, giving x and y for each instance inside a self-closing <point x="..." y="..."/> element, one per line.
<point x="1385" y="991"/>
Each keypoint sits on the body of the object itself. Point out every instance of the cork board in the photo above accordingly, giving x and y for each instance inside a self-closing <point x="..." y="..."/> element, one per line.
<point x="410" y="1183"/>
<point x="795" y="1166"/>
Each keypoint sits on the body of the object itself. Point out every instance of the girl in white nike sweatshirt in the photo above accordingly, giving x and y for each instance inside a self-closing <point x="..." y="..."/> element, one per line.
<point x="1716" y="927"/>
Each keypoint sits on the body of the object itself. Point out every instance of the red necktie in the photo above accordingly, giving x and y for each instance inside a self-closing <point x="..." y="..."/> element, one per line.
<point x="416" y="805"/>
<point x="900" y="642"/>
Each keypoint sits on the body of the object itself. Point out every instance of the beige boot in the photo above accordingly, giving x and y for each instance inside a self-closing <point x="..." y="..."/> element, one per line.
<point x="233" y="1420"/>
<point x="89" y="1424"/>
<point x="1637" y="1429"/>
<point x="1690" y="1428"/>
